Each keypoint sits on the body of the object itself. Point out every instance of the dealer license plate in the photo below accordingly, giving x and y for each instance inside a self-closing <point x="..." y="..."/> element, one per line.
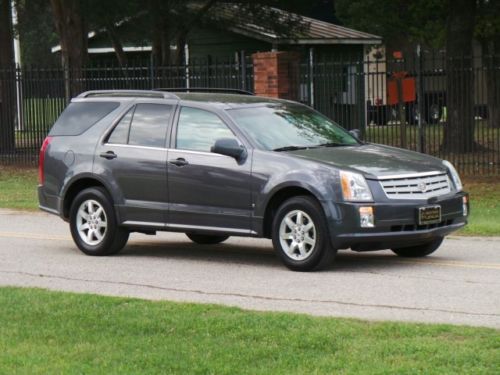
<point x="429" y="215"/>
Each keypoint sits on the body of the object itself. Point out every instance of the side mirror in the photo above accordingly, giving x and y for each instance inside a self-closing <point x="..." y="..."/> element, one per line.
<point x="356" y="133"/>
<point x="229" y="147"/>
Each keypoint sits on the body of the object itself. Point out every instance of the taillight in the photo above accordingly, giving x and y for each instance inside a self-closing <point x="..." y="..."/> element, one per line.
<point x="41" y="160"/>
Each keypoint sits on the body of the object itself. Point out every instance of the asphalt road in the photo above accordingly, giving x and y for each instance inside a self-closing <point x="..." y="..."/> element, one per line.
<point x="459" y="284"/>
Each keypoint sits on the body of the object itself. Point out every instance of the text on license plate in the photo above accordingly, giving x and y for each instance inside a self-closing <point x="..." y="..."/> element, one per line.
<point x="429" y="215"/>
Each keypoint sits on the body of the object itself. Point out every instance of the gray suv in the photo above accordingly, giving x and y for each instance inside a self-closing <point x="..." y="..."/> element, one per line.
<point x="214" y="165"/>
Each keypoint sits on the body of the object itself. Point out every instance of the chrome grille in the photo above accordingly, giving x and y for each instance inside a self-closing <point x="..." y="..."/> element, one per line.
<point x="421" y="186"/>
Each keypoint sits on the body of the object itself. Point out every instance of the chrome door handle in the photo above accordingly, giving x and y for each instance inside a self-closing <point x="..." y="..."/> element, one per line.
<point x="180" y="162"/>
<point x="108" y="155"/>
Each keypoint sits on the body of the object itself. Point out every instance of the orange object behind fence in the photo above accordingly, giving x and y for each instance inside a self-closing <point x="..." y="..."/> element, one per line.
<point x="408" y="85"/>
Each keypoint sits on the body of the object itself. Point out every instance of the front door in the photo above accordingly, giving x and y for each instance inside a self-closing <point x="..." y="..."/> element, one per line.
<point x="207" y="191"/>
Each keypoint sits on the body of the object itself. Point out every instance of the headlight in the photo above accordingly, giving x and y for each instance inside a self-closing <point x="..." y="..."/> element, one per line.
<point x="454" y="175"/>
<point x="354" y="187"/>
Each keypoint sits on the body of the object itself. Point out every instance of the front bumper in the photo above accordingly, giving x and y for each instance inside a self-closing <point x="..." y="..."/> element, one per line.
<point x="396" y="223"/>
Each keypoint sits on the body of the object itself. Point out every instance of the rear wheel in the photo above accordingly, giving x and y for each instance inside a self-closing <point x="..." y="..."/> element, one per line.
<point x="205" y="239"/>
<point x="93" y="223"/>
<point x="420" y="250"/>
<point x="300" y="235"/>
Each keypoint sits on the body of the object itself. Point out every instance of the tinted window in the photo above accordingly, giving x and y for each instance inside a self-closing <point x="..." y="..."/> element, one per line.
<point x="80" y="116"/>
<point x="276" y="126"/>
<point x="149" y="125"/>
<point x="198" y="130"/>
<point x="120" y="132"/>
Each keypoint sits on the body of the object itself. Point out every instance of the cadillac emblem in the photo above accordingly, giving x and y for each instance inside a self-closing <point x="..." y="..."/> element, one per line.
<point x="422" y="187"/>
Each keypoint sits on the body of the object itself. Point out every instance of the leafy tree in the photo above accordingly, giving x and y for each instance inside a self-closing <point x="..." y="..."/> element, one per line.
<point x="397" y="21"/>
<point x="438" y="24"/>
<point x="458" y="134"/>
<point x="7" y="77"/>
<point x="36" y="32"/>
<point x="72" y="29"/>
<point x="488" y="33"/>
<point x="108" y="15"/>
<point x="172" y="20"/>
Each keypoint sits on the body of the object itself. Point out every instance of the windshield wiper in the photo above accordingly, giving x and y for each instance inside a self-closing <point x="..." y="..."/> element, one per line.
<point x="290" y="148"/>
<point x="333" y="144"/>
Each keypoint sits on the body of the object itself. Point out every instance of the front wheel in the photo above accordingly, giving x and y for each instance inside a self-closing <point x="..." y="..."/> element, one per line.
<point x="419" y="250"/>
<point x="93" y="223"/>
<point x="300" y="235"/>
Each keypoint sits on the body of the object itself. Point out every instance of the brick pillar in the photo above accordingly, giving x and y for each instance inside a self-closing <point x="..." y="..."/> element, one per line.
<point x="276" y="74"/>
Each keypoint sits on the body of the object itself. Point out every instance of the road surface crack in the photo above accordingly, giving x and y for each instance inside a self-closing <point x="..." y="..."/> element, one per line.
<point x="250" y="296"/>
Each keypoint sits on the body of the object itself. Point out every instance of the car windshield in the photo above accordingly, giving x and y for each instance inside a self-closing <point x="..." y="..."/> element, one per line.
<point x="290" y="127"/>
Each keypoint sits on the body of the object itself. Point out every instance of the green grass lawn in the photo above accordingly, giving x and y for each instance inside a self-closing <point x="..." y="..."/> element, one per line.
<point x="18" y="188"/>
<point x="18" y="191"/>
<point x="485" y="207"/>
<point x="44" y="332"/>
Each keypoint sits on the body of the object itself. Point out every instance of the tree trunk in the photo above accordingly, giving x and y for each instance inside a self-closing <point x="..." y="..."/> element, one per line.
<point x="72" y="32"/>
<point x="458" y="135"/>
<point x="183" y="31"/>
<point x="159" y="13"/>
<point x="7" y="80"/>
<point x="180" y="55"/>
<point x="117" y="44"/>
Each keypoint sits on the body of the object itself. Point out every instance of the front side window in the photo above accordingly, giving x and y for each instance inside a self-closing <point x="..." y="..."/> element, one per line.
<point x="278" y="127"/>
<point x="198" y="130"/>
<point x="149" y="125"/>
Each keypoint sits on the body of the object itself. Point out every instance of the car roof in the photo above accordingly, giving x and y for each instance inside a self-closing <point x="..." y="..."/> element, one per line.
<point x="227" y="101"/>
<point x="217" y="99"/>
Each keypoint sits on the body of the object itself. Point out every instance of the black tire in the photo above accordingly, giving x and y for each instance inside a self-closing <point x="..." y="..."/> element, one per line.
<point x="113" y="239"/>
<point x="318" y="256"/>
<point x="206" y="239"/>
<point x="419" y="250"/>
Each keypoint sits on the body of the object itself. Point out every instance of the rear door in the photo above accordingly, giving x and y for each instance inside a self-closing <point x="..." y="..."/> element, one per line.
<point x="133" y="158"/>
<point x="208" y="192"/>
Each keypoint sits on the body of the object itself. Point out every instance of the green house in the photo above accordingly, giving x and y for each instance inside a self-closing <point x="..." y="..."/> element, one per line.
<point x="331" y="57"/>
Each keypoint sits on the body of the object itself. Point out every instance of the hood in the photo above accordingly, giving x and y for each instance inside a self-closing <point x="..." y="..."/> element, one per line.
<point x="373" y="160"/>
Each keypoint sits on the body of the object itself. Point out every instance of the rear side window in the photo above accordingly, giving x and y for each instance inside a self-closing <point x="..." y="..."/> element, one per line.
<point x="78" y="117"/>
<point x="149" y="125"/>
<point x="143" y="125"/>
<point x="120" y="132"/>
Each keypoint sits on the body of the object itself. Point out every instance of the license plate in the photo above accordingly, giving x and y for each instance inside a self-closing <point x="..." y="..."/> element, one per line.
<point x="429" y="215"/>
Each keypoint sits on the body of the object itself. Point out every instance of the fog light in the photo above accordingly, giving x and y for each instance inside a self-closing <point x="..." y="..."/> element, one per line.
<point x="366" y="218"/>
<point x="465" y="207"/>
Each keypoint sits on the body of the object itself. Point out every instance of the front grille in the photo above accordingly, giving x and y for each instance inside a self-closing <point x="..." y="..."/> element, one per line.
<point x="417" y="186"/>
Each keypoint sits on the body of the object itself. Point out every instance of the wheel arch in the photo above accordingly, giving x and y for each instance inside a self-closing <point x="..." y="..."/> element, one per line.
<point x="77" y="185"/>
<point x="277" y="198"/>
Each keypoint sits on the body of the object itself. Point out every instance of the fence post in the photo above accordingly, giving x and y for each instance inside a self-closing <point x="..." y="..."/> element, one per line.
<point x="311" y="79"/>
<point x="19" y="98"/>
<point x="401" y="111"/>
<point x="420" y="101"/>
<point x="243" y="70"/>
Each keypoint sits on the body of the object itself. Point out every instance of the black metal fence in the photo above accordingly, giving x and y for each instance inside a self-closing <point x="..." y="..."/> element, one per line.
<point x="400" y="102"/>
<point x="32" y="98"/>
<point x="406" y="103"/>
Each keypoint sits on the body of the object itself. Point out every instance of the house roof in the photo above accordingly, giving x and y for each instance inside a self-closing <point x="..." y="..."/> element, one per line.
<point x="314" y="32"/>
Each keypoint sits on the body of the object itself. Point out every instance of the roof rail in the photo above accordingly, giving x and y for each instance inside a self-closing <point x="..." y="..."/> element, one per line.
<point x="128" y="93"/>
<point x="207" y="90"/>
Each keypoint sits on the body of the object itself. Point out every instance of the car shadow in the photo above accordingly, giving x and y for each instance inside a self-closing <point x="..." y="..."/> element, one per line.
<point x="261" y="255"/>
<point x="223" y="253"/>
